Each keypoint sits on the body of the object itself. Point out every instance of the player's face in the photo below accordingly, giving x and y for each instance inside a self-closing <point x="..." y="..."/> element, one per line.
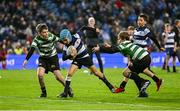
<point x="168" y="29"/>
<point x="141" y="22"/>
<point x="65" y="41"/>
<point x="130" y="32"/>
<point x="91" y="21"/>
<point x="44" y="33"/>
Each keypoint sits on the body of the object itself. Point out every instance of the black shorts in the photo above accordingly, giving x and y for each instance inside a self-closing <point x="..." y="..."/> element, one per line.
<point x="138" y="66"/>
<point x="49" y="63"/>
<point x="87" y="62"/>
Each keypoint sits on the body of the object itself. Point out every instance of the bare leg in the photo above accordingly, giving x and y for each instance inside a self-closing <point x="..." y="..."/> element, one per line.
<point x="137" y="79"/>
<point x="71" y="72"/>
<point x="40" y="73"/>
<point x="167" y="62"/>
<point x="155" y="78"/>
<point x="59" y="77"/>
<point x="102" y="77"/>
<point x="174" y="63"/>
<point x="99" y="61"/>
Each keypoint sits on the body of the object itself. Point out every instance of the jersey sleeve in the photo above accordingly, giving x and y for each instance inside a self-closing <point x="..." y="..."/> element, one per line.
<point x="57" y="39"/>
<point x="152" y="36"/>
<point x="34" y="43"/>
<point x="121" y="47"/>
<point x="30" y="52"/>
<point x="111" y="50"/>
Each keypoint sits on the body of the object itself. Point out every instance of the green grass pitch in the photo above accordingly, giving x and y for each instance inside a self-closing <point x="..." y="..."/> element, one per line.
<point x="19" y="90"/>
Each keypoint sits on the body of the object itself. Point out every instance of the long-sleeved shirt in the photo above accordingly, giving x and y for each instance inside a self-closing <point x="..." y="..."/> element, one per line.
<point x="45" y="47"/>
<point x="127" y="48"/>
<point x="90" y="36"/>
<point x="79" y="45"/>
<point x="140" y="37"/>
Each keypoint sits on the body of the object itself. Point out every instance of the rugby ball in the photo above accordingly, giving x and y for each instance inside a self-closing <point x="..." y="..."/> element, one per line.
<point x="71" y="50"/>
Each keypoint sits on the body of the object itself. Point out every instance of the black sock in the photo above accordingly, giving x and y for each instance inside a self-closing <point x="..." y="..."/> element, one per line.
<point x="138" y="81"/>
<point x="168" y="69"/>
<point x="155" y="78"/>
<point x="174" y="68"/>
<point x="101" y="67"/>
<point x="109" y="85"/>
<point x="43" y="89"/>
<point x="66" y="88"/>
<point x="123" y="84"/>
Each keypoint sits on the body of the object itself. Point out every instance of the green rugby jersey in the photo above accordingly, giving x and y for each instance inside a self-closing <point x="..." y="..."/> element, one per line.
<point x="45" y="47"/>
<point x="134" y="51"/>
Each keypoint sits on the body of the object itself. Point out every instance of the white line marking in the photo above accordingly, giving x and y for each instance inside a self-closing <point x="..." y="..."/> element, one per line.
<point x="76" y="101"/>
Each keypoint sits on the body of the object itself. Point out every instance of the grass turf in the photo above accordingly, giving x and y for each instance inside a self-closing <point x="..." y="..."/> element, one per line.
<point x="19" y="90"/>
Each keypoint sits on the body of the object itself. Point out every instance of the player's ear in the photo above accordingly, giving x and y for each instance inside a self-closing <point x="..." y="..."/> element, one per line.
<point x="145" y="22"/>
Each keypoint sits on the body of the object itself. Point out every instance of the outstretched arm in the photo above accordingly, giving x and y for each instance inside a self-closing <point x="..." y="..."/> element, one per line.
<point x="31" y="50"/>
<point x="152" y="36"/>
<point x="110" y="50"/>
<point x="28" y="56"/>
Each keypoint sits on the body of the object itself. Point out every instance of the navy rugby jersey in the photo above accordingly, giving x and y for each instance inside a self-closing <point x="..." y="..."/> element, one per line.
<point x="79" y="45"/>
<point x="170" y="42"/>
<point x="141" y="34"/>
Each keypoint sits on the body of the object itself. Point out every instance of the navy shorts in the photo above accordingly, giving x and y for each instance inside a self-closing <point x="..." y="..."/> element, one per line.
<point x="170" y="52"/>
<point x="87" y="62"/>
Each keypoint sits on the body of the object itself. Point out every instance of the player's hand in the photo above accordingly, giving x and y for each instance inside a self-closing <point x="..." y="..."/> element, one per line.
<point x="162" y="49"/>
<point x="97" y="30"/>
<point x="74" y="53"/>
<point x="175" y="48"/>
<point x="95" y="49"/>
<point x="107" y="45"/>
<point x="24" y="64"/>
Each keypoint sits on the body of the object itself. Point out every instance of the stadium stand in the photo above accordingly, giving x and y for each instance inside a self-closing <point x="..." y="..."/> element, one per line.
<point x="18" y="18"/>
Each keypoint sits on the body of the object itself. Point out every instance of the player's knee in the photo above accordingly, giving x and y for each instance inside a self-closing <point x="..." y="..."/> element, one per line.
<point x="95" y="73"/>
<point x="125" y="74"/>
<point x="93" y="70"/>
<point x="70" y="74"/>
<point x="40" y="75"/>
<point x="56" y="71"/>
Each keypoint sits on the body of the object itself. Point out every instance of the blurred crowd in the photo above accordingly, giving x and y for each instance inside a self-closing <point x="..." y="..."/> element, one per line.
<point x="18" y="18"/>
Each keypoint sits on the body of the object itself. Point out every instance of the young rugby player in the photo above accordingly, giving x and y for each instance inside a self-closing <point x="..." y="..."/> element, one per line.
<point x="44" y="42"/>
<point x="140" y="61"/>
<point x="80" y="58"/>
